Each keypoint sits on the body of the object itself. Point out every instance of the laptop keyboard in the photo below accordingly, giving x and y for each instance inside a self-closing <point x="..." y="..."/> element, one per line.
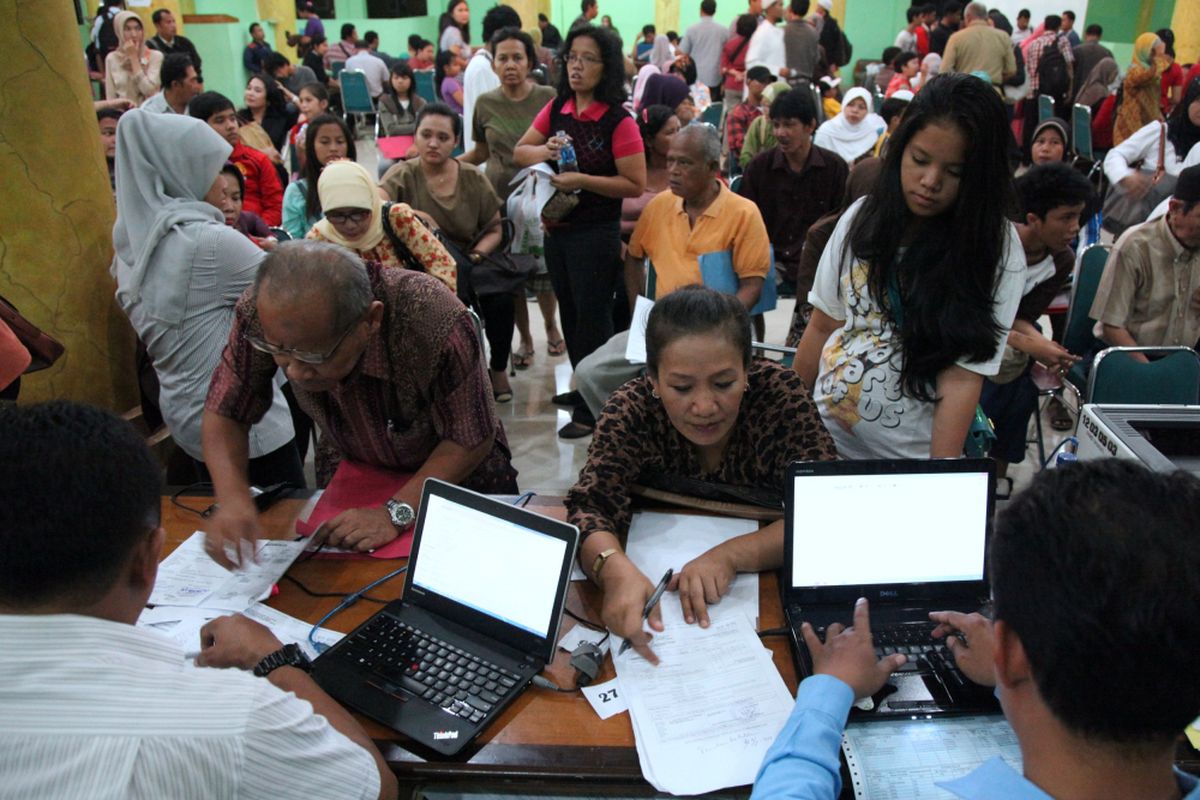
<point x="447" y="676"/>
<point x="915" y="640"/>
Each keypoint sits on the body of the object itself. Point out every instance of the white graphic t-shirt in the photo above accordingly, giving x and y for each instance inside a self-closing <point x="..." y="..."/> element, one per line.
<point x="858" y="388"/>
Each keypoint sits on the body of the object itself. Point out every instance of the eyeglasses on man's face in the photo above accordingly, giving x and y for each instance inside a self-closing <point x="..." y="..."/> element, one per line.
<point x="306" y="356"/>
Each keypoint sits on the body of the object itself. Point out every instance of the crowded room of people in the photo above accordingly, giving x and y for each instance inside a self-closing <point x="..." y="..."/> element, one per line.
<point x="468" y="399"/>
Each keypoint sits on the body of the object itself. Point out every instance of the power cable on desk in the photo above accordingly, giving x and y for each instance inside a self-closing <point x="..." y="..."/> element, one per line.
<point x="348" y="601"/>
<point x="198" y="485"/>
<point x="311" y="593"/>
<point x="587" y="623"/>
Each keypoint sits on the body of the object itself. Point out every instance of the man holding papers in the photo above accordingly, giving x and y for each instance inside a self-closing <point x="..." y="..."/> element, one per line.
<point x="94" y="707"/>
<point x="1095" y="574"/>
<point x="707" y="414"/>
<point x="699" y="216"/>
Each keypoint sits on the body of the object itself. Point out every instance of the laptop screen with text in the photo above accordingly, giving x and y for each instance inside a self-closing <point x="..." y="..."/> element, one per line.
<point x="867" y="529"/>
<point x="496" y="567"/>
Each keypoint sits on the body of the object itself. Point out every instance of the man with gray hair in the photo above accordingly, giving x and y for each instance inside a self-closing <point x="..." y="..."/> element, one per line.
<point x="979" y="47"/>
<point x="699" y="217"/>
<point x="389" y="365"/>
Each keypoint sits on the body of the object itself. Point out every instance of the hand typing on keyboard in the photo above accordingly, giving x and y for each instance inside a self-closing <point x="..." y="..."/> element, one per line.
<point x="969" y="637"/>
<point x="848" y="654"/>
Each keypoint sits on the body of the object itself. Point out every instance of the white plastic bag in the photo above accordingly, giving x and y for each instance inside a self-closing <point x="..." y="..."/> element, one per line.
<point x="525" y="211"/>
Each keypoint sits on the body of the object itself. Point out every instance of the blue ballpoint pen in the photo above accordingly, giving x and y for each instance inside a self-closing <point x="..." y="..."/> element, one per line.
<point x="650" y="604"/>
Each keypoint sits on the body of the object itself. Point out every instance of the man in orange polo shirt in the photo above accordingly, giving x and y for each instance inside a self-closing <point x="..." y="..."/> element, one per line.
<point x="699" y="216"/>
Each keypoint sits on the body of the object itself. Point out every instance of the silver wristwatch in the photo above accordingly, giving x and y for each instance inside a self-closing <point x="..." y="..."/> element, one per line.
<point x="402" y="514"/>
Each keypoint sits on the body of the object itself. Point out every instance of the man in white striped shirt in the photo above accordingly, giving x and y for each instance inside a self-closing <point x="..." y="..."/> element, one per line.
<point x="93" y="707"/>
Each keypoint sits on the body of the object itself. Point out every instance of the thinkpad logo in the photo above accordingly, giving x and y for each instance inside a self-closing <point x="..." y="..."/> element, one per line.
<point x="442" y="735"/>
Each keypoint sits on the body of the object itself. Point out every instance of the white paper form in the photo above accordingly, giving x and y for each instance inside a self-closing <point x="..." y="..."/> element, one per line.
<point x="903" y="759"/>
<point x="705" y="716"/>
<point x="182" y="626"/>
<point x="189" y="577"/>
<point x="289" y="629"/>
<point x="658" y="542"/>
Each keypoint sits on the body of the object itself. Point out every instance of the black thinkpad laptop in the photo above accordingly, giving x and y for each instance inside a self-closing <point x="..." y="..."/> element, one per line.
<point x="910" y="536"/>
<point x="479" y="618"/>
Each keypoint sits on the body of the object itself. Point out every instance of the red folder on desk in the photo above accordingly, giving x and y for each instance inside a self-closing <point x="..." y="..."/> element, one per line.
<point x="394" y="147"/>
<point x="357" y="485"/>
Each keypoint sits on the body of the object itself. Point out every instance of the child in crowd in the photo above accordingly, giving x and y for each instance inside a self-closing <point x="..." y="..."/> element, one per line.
<point x="892" y="111"/>
<point x="759" y="135"/>
<point x="262" y="194"/>
<point x="244" y="222"/>
<point x="313" y="101"/>
<point x="831" y="103"/>
<point x="107" y="119"/>
<point x="399" y="104"/>
<point x="448" y="67"/>
<point x="917" y="290"/>
<point x="906" y="66"/>
<point x="326" y="139"/>
<point x="1054" y="198"/>
<point x="744" y="113"/>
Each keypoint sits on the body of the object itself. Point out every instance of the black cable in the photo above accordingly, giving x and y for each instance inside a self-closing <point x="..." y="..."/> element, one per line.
<point x="587" y="623"/>
<point x="311" y="593"/>
<point x="175" y="497"/>
<point x="545" y="683"/>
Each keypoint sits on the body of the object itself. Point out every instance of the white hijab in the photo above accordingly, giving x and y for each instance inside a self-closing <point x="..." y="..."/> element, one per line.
<point x="851" y="140"/>
<point x="165" y="165"/>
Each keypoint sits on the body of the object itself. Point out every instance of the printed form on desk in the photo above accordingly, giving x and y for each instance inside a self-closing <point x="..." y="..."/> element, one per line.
<point x="705" y="716"/>
<point x="904" y="759"/>
<point x="189" y="577"/>
<point x="658" y="542"/>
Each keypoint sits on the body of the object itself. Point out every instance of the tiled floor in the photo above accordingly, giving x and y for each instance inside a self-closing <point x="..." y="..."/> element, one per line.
<point x="549" y="465"/>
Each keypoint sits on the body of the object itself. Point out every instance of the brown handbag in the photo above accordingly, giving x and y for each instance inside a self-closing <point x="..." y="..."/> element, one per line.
<point x="43" y="348"/>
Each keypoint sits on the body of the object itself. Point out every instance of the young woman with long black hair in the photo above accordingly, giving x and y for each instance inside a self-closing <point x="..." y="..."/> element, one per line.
<point x="917" y="290"/>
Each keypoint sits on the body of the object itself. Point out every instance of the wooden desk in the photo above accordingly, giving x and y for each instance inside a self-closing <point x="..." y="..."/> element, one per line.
<point x="550" y="738"/>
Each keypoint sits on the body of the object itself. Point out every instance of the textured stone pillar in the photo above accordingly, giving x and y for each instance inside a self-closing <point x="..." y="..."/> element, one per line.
<point x="282" y="14"/>
<point x="1186" y="24"/>
<point x="666" y="17"/>
<point x="56" y="210"/>
<point x="527" y="9"/>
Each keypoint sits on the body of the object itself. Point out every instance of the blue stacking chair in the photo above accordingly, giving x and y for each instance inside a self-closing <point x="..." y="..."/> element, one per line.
<point x="356" y="99"/>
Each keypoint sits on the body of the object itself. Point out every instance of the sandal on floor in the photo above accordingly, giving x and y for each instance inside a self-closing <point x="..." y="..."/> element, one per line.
<point x="522" y="359"/>
<point x="556" y="348"/>
<point x="502" y="397"/>
<point x="1060" y="417"/>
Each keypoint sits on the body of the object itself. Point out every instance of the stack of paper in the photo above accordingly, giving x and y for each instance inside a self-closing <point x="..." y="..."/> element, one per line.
<point x="192" y="589"/>
<point x="902" y="759"/>
<point x="705" y="716"/>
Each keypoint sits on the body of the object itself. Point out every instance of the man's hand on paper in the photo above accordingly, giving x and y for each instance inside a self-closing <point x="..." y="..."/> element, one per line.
<point x="848" y="654"/>
<point x="969" y="637"/>
<point x="233" y="531"/>
<point x="703" y="581"/>
<point x="626" y="591"/>
<point x="359" y="529"/>
<point x="235" y="641"/>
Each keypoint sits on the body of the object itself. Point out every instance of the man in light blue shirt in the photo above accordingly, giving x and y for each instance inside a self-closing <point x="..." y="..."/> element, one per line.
<point x="1095" y="574"/>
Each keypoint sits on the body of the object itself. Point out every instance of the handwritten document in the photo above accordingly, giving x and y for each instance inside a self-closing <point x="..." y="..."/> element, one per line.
<point x="705" y="716"/>
<point x="182" y="626"/>
<point x="189" y="577"/>
<point x="902" y="759"/>
<point x="658" y="542"/>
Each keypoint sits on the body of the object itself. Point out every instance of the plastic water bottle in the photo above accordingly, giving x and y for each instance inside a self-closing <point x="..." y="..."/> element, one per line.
<point x="567" y="162"/>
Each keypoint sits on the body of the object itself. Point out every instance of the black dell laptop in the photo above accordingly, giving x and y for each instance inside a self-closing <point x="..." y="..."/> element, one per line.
<point x="910" y="536"/>
<point x="479" y="618"/>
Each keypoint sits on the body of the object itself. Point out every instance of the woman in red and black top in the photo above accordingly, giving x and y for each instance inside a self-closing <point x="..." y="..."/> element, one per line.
<point x="583" y="250"/>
